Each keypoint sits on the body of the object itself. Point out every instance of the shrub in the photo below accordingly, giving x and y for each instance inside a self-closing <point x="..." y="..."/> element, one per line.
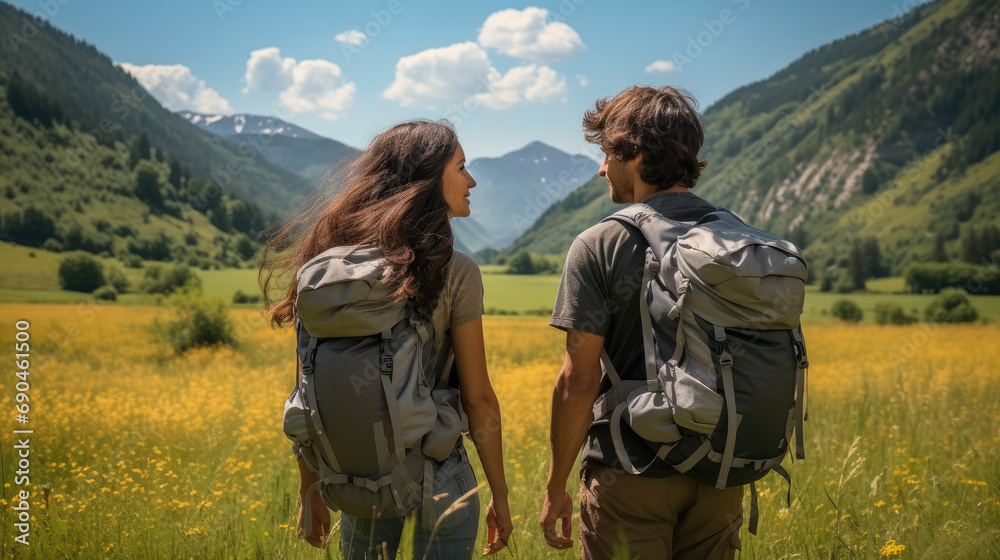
<point x="892" y="314"/>
<point x="199" y="321"/>
<point x="160" y="279"/>
<point x="846" y="310"/>
<point x="525" y="263"/>
<point x="240" y="297"/>
<point x="951" y="306"/>
<point x="52" y="244"/>
<point x="81" y="273"/>
<point x="118" y="280"/>
<point x="105" y="293"/>
<point x="132" y="261"/>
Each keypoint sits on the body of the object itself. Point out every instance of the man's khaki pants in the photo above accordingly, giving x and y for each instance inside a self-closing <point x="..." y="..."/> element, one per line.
<point x="668" y="518"/>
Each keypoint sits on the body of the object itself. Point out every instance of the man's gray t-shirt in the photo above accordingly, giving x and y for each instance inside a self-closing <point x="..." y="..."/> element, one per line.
<point x="599" y="294"/>
<point x="461" y="301"/>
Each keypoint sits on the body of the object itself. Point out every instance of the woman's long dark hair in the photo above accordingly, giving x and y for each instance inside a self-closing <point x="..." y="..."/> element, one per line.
<point x="393" y="200"/>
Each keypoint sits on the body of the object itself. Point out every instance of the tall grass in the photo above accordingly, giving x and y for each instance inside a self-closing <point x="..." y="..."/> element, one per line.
<point x="142" y="453"/>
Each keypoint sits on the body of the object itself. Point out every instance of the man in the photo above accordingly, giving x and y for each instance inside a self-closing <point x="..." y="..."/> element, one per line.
<point x="651" y="139"/>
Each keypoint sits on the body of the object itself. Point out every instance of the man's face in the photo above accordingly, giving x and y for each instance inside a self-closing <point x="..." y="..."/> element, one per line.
<point x="620" y="177"/>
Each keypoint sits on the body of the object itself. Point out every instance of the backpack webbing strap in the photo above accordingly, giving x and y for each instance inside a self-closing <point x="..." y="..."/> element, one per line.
<point x="390" y="394"/>
<point x="732" y="423"/>
<point x="609" y="367"/>
<point x="650" y="270"/>
<point x="427" y="515"/>
<point x="692" y="460"/>
<point x="616" y="395"/>
<point x="619" y="443"/>
<point x="313" y="422"/>
<point x="800" y="391"/>
<point x="754" y="512"/>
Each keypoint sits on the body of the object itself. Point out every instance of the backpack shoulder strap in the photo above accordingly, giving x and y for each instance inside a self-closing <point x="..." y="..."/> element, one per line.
<point x="659" y="231"/>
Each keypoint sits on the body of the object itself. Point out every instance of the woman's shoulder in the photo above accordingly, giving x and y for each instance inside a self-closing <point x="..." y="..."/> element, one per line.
<point x="462" y="264"/>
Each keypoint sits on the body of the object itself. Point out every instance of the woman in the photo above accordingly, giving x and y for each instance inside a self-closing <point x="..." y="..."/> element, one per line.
<point x="400" y="195"/>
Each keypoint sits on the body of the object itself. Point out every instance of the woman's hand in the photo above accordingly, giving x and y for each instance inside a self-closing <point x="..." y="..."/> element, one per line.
<point x="320" y="514"/>
<point x="497" y="521"/>
<point x="320" y="519"/>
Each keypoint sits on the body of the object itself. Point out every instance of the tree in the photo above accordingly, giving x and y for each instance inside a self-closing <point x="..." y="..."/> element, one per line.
<point x="175" y="174"/>
<point x="81" y="273"/>
<point x="521" y="264"/>
<point x="939" y="255"/>
<point x="970" y="245"/>
<point x="857" y="266"/>
<point x="147" y="187"/>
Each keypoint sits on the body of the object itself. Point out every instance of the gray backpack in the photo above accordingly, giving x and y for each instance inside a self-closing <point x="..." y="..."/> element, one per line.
<point x="725" y="359"/>
<point x="365" y="417"/>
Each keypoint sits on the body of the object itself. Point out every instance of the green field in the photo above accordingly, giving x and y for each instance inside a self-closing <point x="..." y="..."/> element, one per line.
<point x="27" y="279"/>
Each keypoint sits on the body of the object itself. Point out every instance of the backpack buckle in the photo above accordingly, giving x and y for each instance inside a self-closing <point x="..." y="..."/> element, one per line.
<point x="652" y="263"/>
<point x="386" y="365"/>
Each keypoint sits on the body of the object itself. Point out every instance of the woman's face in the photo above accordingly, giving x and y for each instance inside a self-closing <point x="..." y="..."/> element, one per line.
<point x="457" y="182"/>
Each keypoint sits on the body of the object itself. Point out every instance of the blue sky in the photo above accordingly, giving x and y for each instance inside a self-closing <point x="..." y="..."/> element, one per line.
<point x="506" y="73"/>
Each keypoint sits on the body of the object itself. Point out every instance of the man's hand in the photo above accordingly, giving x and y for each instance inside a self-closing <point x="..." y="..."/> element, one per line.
<point x="558" y="506"/>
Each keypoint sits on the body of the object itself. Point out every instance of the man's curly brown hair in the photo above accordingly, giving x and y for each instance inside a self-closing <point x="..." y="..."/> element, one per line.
<point x="661" y="124"/>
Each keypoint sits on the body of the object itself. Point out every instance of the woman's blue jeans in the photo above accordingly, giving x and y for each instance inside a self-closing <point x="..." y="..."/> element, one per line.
<point x="362" y="539"/>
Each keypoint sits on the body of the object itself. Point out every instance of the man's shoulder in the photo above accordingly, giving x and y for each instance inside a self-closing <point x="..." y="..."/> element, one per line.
<point x="601" y="233"/>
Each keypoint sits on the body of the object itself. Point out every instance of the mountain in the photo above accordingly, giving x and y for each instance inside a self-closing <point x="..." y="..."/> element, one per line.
<point x="228" y="125"/>
<point x="889" y="136"/>
<point x="112" y="106"/>
<point x="513" y="190"/>
<point x="292" y="147"/>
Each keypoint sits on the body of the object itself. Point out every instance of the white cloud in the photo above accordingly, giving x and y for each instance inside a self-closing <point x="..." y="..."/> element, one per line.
<point x="266" y="70"/>
<point x="438" y="74"/>
<point x="464" y="70"/>
<point x="319" y="86"/>
<point x="583" y="81"/>
<point x="526" y="34"/>
<point x="352" y="37"/>
<point x="661" y="66"/>
<point x="176" y="88"/>
<point x="537" y="84"/>
<point x="307" y="86"/>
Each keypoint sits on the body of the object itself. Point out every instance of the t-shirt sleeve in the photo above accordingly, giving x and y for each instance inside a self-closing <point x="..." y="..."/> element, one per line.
<point x="466" y="290"/>
<point x="582" y="301"/>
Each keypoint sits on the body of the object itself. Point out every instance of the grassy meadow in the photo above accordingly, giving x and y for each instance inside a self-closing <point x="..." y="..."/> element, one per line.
<point x="139" y="452"/>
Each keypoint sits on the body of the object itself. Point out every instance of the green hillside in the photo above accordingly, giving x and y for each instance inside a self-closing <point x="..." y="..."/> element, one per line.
<point x="118" y="200"/>
<point x="111" y="106"/>
<point x="888" y="135"/>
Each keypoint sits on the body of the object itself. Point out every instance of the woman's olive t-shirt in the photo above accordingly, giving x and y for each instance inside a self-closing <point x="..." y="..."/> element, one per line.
<point x="461" y="301"/>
